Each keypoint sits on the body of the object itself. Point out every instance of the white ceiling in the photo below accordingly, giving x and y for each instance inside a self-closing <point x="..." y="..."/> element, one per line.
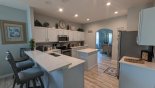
<point x="93" y="9"/>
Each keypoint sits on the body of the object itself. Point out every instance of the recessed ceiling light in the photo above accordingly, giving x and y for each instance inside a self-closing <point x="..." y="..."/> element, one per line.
<point x="76" y="15"/>
<point x="116" y="12"/>
<point x="108" y="3"/>
<point x="88" y="19"/>
<point x="61" y="10"/>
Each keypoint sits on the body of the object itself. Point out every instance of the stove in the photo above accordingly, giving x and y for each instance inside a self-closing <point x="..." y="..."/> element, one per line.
<point x="66" y="50"/>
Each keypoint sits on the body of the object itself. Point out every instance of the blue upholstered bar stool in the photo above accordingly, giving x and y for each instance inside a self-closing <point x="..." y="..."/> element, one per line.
<point x="22" y="64"/>
<point x="25" y="76"/>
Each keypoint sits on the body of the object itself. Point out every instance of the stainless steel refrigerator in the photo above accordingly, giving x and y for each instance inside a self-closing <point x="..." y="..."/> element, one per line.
<point x="127" y="42"/>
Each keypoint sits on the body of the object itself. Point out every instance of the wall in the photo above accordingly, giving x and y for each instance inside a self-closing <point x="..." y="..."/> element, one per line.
<point x="133" y="16"/>
<point x="52" y="21"/>
<point x="115" y="24"/>
<point x="7" y="13"/>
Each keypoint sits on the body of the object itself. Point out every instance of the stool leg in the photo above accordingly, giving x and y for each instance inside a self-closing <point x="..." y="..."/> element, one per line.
<point x="34" y="83"/>
<point x="42" y="85"/>
<point x="14" y="83"/>
<point x="21" y="85"/>
<point x="27" y="84"/>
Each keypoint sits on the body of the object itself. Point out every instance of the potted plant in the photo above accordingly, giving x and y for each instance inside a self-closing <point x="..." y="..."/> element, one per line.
<point x="32" y="44"/>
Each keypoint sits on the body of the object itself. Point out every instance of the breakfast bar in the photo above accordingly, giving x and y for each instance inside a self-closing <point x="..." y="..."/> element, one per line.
<point x="60" y="71"/>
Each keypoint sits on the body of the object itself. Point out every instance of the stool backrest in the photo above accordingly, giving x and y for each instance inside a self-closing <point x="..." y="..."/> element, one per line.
<point x="11" y="61"/>
<point x="22" y="53"/>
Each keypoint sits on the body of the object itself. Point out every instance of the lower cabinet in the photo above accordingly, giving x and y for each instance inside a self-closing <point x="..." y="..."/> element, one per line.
<point x="74" y="51"/>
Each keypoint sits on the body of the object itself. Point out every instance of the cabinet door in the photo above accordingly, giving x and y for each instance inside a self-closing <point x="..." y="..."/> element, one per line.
<point x="71" y="34"/>
<point x="65" y="32"/>
<point x="52" y="35"/>
<point x="147" y="27"/>
<point x="39" y="34"/>
<point x="60" y="32"/>
<point x="75" y="35"/>
<point x="82" y="36"/>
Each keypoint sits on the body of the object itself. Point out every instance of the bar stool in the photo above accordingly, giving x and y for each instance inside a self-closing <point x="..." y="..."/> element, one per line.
<point x="25" y="76"/>
<point x="22" y="64"/>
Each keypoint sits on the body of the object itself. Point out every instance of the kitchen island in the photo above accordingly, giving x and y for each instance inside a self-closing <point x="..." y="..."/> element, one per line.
<point x="90" y="57"/>
<point x="136" y="75"/>
<point x="60" y="71"/>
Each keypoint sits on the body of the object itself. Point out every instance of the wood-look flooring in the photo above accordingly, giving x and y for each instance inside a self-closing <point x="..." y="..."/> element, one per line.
<point x="94" y="78"/>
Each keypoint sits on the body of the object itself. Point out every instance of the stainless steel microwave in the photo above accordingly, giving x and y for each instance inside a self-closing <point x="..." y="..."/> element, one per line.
<point x="63" y="38"/>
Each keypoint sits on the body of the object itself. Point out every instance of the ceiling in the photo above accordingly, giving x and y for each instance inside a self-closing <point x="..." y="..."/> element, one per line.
<point x="93" y="9"/>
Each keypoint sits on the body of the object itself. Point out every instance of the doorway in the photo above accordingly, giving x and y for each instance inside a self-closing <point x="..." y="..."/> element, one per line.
<point x="104" y="41"/>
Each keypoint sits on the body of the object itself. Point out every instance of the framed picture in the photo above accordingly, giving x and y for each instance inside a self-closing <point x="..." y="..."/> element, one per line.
<point x="13" y="32"/>
<point x="146" y="55"/>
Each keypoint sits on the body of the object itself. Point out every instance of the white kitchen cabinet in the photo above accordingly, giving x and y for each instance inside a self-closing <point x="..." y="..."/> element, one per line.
<point x="39" y="34"/>
<point x="146" y="32"/>
<point x="82" y="36"/>
<point x="42" y="34"/>
<point x="60" y="32"/>
<point x="135" y="75"/>
<point x="71" y="34"/>
<point x="75" y="37"/>
<point x="65" y="32"/>
<point x="52" y="35"/>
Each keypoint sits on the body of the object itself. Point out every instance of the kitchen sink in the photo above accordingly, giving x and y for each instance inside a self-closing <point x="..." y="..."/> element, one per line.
<point x="54" y="54"/>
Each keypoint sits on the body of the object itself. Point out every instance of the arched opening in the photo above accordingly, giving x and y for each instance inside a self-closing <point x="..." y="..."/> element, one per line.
<point x="104" y="41"/>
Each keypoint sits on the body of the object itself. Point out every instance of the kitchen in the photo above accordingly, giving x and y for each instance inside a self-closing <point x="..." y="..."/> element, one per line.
<point x="62" y="40"/>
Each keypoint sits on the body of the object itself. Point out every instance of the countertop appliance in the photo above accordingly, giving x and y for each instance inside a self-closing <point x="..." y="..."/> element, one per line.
<point x="127" y="45"/>
<point x="63" y="38"/>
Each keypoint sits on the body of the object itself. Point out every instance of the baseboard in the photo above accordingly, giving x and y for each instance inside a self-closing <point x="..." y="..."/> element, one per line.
<point x="5" y="76"/>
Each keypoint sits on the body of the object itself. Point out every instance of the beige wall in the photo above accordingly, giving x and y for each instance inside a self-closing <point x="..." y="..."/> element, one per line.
<point x="11" y="14"/>
<point x="133" y="16"/>
<point x="115" y="24"/>
<point x="52" y="21"/>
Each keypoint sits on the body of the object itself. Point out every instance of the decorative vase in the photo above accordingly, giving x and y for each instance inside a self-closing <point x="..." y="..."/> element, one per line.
<point x="68" y="27"/>
<point x="56" y="26"/>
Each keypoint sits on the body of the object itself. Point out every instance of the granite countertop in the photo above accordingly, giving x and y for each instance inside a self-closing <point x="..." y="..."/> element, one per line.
<point x="146" y="65"/>
<point x="51" y="63"/>
<point x="88" y="50"/>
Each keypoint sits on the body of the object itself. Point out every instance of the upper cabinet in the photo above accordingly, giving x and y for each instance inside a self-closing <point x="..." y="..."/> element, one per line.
<point x="52" y="35"/>
<point x="146" y="32"/>
<point x="71" y="35"/>
<point x="41" y="34"/>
